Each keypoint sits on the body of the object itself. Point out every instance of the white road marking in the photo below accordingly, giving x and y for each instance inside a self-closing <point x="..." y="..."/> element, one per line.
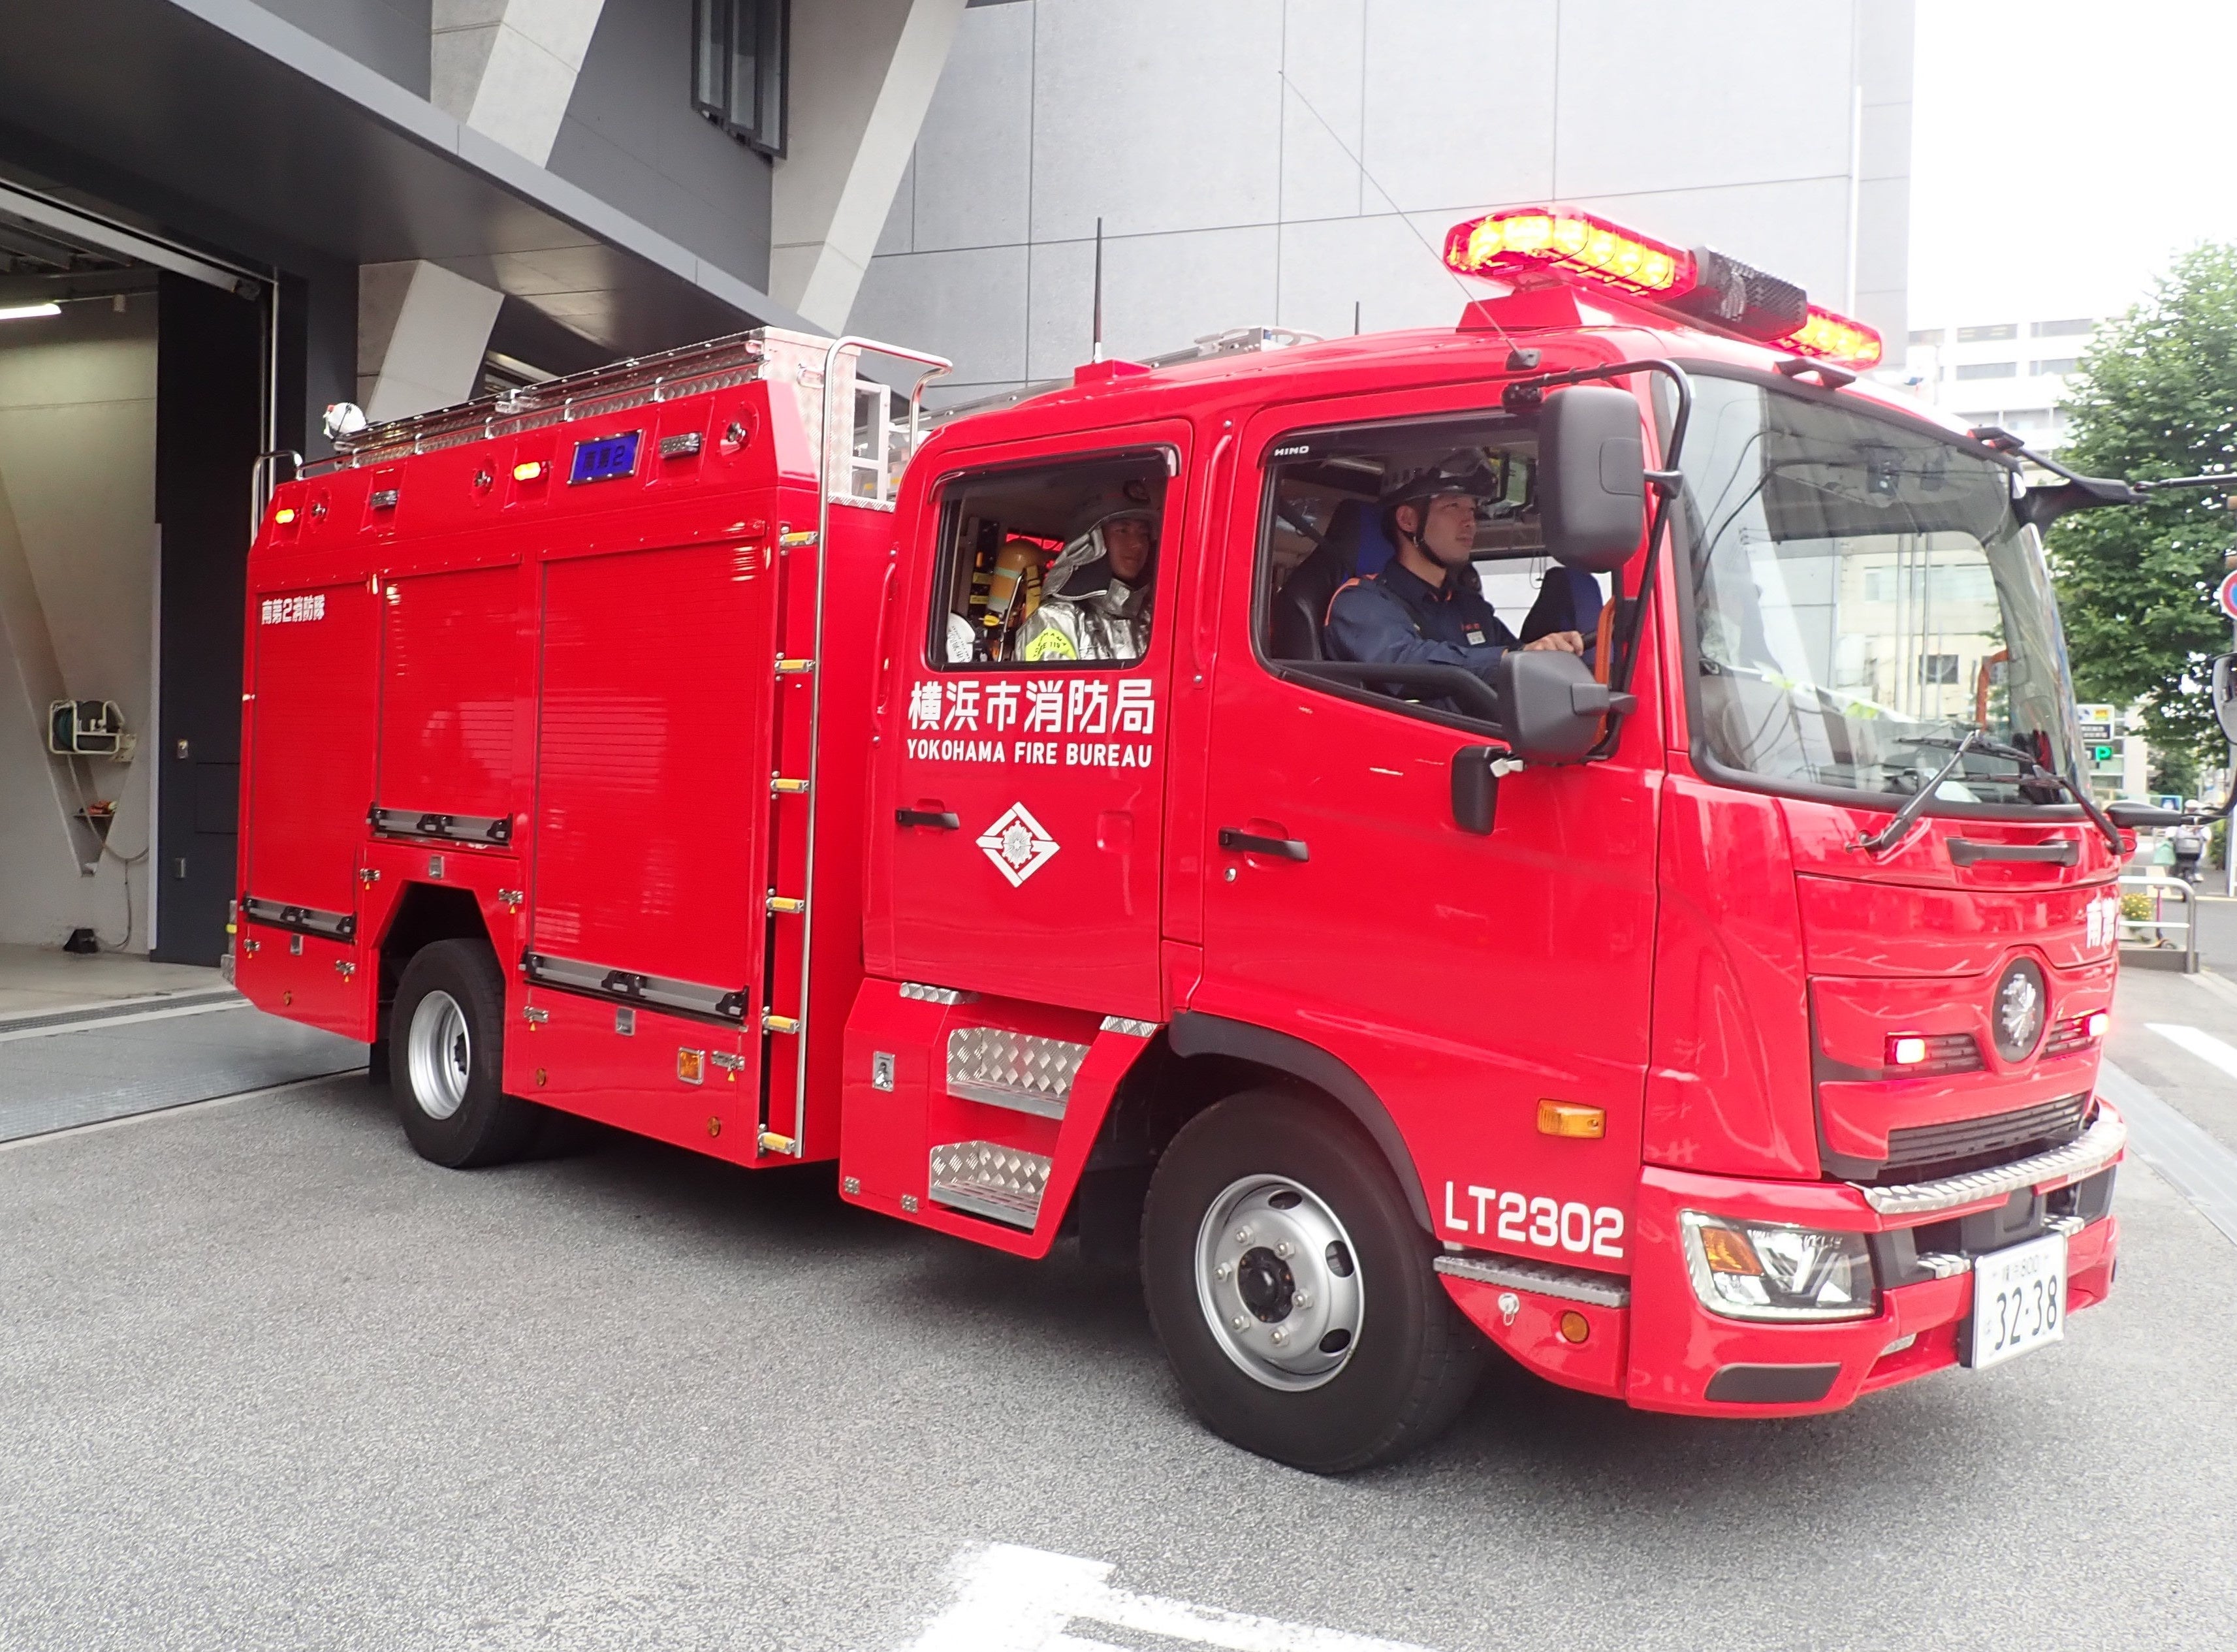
<point x="1013" y="1599"/>
<point x="107" y="1023"/>
<point x="2204" y="1045"/>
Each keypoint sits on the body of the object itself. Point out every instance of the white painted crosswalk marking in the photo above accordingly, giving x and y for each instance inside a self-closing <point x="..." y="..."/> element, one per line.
<point x="1009" y="1598"/>
<point x="2204" y="1045"/>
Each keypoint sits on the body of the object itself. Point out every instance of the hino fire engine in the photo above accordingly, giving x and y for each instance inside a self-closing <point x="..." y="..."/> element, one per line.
<point x="1703" y="1006"/>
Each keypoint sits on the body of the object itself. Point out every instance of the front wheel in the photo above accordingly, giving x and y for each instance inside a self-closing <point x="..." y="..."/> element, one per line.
<point x="447" y="1060"/>
<point x="1293" y="1291"/>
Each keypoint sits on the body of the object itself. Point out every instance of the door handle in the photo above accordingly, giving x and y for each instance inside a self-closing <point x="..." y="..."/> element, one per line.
<point x="1287" y="848"/>
<point x="947" y="819"/>
<point x="2065" y="851"/>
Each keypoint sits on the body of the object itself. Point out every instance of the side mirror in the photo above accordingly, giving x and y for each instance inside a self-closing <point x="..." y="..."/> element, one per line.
<point x="1592" y="477"/>
<point x="1476" y="789"/>
<point x="2225" y="696"/>
<point x="1553" y="705"/>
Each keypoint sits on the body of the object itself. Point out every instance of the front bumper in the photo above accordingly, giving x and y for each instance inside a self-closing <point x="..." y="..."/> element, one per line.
<point x="1649" y="1341"/>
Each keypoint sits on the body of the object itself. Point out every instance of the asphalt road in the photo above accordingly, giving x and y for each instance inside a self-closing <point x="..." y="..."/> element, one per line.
<point x="271" y="1381"/>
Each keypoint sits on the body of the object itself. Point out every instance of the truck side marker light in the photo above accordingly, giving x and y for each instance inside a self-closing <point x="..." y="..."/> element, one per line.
<point x="714" y="1127"/>
<point x="1905" y="1051"/>
<point x="283" y="516"/>
<point x="691" y="1067"/>
<point x="1575" y="1326"/>
<point x="530" y="470"/>
<point x="1572" y="1118"/>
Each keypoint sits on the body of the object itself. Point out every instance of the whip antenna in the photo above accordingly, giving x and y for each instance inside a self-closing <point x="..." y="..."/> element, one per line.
<point x="1096" y="354"/>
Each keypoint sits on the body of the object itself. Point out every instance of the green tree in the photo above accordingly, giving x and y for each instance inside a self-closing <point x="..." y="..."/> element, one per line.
<point x="2156" y="396"/>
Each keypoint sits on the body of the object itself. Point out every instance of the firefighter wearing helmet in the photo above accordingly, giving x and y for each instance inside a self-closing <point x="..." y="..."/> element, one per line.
<point x="1427" y="606"/>
<point x="1095" y="597"/>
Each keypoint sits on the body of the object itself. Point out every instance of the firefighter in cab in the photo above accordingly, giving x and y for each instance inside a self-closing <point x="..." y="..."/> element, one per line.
<point x="1095" y="599"/>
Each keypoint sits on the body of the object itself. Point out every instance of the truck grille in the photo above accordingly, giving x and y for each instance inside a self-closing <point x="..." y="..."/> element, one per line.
<point x="2068" y="1036"/>
<point x="1968" y="1144"/>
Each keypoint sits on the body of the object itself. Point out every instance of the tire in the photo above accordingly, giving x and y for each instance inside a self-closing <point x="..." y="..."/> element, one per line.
<point x="447" y="1060"/>
<point x="1376" y="1362"/>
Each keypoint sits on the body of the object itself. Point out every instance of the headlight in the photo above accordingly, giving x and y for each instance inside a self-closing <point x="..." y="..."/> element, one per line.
<point x="1770" y="1271"/>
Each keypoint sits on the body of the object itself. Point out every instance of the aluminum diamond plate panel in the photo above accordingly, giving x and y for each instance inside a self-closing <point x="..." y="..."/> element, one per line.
<point x="991" y="1181"/>
<point x="1016" y="1070"/>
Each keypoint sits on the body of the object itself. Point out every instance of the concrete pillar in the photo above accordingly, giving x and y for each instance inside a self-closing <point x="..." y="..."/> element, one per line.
<point x="507" y="68"/>
<point x="862" y="76"/>
<point x="421" y="333"/>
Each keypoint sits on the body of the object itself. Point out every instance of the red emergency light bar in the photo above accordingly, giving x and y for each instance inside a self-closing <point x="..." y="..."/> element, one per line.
<point x="1533" y="245"/>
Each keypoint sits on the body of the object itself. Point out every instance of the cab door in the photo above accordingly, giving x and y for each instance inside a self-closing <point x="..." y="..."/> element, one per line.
<point x="1016" y="822"/>
<point x="1465" y="978"/>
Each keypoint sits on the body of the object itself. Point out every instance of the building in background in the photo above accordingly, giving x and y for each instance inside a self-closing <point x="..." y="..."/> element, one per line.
<point x="2012" y="374"/>
<point x="1297" y="162"/>
<point x="217" y="216"/>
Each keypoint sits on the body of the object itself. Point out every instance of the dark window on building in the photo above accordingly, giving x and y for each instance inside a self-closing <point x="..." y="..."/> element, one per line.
<point x="2061" y="364"/>
<point x="1985" y="335"/>
<point x="2063" y="329"/>
<point x="1937" y="668"/>
<point x="738" y="50"/>
<point x="1989" y="370"/>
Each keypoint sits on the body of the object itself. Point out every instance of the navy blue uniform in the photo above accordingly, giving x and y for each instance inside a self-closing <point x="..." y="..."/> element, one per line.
<point x="1400" y="617"/>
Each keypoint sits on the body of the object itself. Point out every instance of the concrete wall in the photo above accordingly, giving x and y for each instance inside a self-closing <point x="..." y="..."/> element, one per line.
<point x="1281" y="160"/>
<point x="388" y="37"/>
<point x="631" y="137"/>
<point x="77" y="540"/>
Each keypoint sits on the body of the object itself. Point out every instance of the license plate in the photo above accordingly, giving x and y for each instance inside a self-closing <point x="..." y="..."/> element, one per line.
<point x="2019" y="1300"/>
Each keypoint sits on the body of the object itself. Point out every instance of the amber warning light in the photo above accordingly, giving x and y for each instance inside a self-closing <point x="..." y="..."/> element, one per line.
<point x="1531" y="246"/>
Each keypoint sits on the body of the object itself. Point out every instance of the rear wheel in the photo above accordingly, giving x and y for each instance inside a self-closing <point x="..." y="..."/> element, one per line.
<point x="448" y="1058"/>
<point x="1293" y="1292"/>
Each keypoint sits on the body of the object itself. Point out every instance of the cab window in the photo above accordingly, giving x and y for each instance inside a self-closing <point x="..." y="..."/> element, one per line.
<point x="1331" y="518"/>
<point x="1049" y="566"/>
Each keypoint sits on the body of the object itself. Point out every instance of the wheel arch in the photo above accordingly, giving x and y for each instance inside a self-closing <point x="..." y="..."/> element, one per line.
<point x="1194" y="1037"/>
<point x="424" y="913"/>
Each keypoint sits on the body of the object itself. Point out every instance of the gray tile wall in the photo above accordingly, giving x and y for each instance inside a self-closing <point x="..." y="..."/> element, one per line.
<point x="1221" y="143"/>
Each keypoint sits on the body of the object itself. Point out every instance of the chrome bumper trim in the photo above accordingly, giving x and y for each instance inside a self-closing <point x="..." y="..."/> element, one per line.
<point x="2097" y="1147"/>
<point x="1547" y="1279"/>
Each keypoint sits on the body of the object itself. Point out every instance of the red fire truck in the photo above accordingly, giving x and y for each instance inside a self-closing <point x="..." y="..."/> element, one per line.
<point x="1703" y="1005"/>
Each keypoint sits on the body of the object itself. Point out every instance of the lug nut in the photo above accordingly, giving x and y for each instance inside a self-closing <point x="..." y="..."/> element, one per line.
<point x="1242" y="1236"/>
<point x="1304" y="1299"/>
<point x="1222" y="1269"/>
<point x="1285" y="1249"/>
<point x="1240" y="1323"/>
<point x="1281" y="1335"/>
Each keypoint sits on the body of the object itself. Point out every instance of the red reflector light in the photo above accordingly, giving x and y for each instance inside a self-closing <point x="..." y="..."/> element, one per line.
<point x="1562" y="243"/>
<point x="1828" y="337"/>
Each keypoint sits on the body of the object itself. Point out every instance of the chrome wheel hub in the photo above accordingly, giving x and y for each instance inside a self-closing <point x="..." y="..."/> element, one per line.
<point x="439" y="1055"/>
<point x="1278" y="1281"/>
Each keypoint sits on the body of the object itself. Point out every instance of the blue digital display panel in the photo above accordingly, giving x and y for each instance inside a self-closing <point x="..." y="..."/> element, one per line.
<point x="605" y="458"/>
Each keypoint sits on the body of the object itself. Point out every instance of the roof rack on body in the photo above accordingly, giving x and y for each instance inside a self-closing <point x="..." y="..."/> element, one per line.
<point x="1234" y="341"/>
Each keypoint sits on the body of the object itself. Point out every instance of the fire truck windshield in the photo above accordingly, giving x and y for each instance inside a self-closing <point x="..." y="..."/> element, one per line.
<point x="1863" y="594"/>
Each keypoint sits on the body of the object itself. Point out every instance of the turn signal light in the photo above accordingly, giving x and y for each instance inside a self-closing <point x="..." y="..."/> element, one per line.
<point x="1828" y="337"/>
<point x="1575" y="1326"/>
<point x="2098" y="1025"/>
<point x="528" y="470"/>
<point x="1726" y="1251"/>
<point x="1572" y="1118"/>
<point x="1558" y="243"/>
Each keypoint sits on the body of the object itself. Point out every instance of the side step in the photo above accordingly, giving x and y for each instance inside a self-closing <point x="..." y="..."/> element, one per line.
<point x="1002" y="1184"/>
<point x="1014" y="1070"/>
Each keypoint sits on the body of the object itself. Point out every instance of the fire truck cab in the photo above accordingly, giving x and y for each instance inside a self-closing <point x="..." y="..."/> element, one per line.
<point x="1072" y="821"/>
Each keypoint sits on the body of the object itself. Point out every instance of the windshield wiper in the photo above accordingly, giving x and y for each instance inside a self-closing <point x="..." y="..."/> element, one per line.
<point x="1978" y="740"/>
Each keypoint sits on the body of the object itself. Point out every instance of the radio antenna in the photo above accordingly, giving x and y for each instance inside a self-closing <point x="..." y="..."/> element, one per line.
<point x="1096" y="354"/>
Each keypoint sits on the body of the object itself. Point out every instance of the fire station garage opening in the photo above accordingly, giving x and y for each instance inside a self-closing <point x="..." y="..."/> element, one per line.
<point x="1049" y="566"/>
<point x="1333" y="498"/>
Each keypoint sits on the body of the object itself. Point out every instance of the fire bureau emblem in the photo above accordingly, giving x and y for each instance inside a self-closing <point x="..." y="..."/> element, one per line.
<point x="1018" y="844"/>
<point x="2019" y="1011"/>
